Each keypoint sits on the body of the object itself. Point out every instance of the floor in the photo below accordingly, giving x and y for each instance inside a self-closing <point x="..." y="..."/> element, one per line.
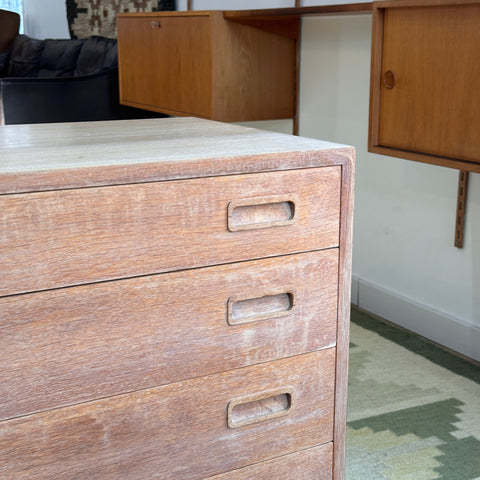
<point x="414" y="408"/>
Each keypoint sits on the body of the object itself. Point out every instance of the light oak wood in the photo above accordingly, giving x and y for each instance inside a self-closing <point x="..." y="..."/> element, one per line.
<point x="98" y="376"/>
<point x="343" y="327"/>
<point x="71" y="345"/>
<point x="260" y="407"/>
<point x="56" y="239"/>
<point x="157" y="432"/>
<point x="45" y="157"/>
<point x="271" y="304"/>
<point x="430" y="112"/>
<point x="262" y="212"/>
<point x="197" y="63"/>
<point x="312" y="464"/>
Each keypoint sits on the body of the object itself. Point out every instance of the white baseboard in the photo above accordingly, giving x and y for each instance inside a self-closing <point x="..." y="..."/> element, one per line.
<point x="421" y="319"/>
<point x="355" y="283"/>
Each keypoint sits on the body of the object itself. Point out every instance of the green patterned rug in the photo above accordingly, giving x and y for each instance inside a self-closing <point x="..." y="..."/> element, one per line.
<point x="413" y="408"/>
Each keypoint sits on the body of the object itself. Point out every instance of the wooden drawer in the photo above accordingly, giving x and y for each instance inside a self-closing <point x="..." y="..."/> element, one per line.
<point x="60" y="238"/>
<point x="312" y="464"/>
<point x="188" y="430"/>
<point x="76" y="344"/>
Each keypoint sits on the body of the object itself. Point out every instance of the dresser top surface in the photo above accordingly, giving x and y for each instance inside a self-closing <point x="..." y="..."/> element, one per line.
<point x="70" y="155"/>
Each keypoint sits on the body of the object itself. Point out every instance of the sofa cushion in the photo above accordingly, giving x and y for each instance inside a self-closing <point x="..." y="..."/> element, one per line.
<point x="59" y="58"/>
<point x="52" y="58"/>
<point x="25" y="57"/>
<point x="4" y="57"/>
<point x="97" y="54"/>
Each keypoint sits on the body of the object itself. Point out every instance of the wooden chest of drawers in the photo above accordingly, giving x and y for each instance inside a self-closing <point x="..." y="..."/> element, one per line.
<point x="174" y="302"/>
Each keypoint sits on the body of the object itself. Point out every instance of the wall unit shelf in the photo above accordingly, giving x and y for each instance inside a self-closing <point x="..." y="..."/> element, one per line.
<point x="425" y="71"/>
<point x="284" y="21"/>
<point x="213" y="64"/>
<point x="199" y="64"/>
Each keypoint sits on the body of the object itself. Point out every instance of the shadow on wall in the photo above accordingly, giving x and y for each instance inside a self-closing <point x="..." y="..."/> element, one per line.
<point x="473" y="225"/>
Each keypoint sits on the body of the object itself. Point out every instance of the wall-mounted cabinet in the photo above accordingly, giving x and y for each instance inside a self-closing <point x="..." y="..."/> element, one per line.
<point x="425" y="81"/>
<point x="199" y="64"/>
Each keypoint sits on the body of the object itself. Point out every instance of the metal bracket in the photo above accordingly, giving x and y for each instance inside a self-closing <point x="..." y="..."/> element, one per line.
<point x="461" y="208"/>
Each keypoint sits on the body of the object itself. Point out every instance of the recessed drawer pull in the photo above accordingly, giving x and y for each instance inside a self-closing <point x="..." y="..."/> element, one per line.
<point x="260" y="407"/>
<point x="262" y="212"/>
<point x="155" y="24"/>
<point x="247" y="310"/>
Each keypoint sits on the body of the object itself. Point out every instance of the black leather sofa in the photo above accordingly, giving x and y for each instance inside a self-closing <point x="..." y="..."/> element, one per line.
<point x="62" y="80"/>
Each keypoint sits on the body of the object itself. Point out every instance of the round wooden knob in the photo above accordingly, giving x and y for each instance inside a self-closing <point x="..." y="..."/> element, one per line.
<point x="389" y="79"/>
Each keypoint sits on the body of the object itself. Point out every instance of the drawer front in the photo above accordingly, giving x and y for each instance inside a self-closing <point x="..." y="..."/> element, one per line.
<point x="81" y="343"/>
<point x="312" y="464"/>
<point x="70" y="237"/>
<point x="179" y="431"/>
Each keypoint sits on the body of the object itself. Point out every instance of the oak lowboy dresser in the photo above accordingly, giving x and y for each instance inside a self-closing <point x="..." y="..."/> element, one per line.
<point x="174" y="302"/>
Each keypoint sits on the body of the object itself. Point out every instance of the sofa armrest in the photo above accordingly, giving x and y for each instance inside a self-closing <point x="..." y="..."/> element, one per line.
<point x="45" y="100"/>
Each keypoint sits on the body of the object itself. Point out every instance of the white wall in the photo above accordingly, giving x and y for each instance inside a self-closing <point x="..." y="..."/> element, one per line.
<point x="45" y="19"/>
<point x="405" y="268"/>
<point x="48" y="18"/>
<point x="234" y="4"/>
<point x="405" y="265"/>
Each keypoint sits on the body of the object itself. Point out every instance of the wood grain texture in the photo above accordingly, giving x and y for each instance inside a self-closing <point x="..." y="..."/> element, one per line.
<point x="200" y="64"/>
<point x="312" y="464"/>
<point x="432" y="112"/>
<point x="424" y="3"/>
<point x="261" y="212"/>
<point x="258" y="408"/>
<point x="288" y="26"/>
<point x="375" y="75"/>
<point x="268" y="305"/>
<point x="253" y="73"/>
<point x="71" y="345"/>
<point x="430" y="159"/>
<point x="69" y="237"/>
<point x="45" y="157"/>
<point x="461" y="208"/>
<point x="131" y="436"/>
<point x="97" y="355"/>
<point x="165" y="61"/>
<point x="343" y="324"/>
<point x="275" y="14"/>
